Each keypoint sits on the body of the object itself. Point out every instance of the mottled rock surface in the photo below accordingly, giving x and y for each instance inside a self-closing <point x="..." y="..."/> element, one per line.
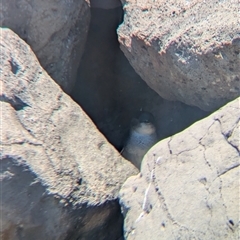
<point x="188" y="187"/>
<point x="186" y="50"/>
<point x="55" y="30"/>
<point x="59" y="176"/>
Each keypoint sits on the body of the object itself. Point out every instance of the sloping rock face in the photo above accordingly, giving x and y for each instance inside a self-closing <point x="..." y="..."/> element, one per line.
<point x="185" y="50"/>
<point x="188" y="187"/>
<point x="55" y="30"/>
<point x="59" y="176"/>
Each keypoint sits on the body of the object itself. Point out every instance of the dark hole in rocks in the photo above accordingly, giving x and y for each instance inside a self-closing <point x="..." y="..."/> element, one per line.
<point x="112" y="225"/>
<point x="110" y="91"/>
<point x="79" y="182"/>
<point x="231" y="222"/>
<point x="15" y="102"/>
<point x="14" y="66"/>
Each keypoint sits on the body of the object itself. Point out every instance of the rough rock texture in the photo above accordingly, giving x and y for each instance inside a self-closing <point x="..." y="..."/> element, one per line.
<point x="59" y="175"/>
<point x="55" y="30"/>
<point x="188" y="187"/>
<point x="185" y="50"/>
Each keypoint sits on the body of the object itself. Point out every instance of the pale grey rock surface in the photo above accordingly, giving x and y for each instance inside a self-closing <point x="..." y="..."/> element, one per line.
<point x="186" y="50"/>
<point x="188" y="187"/>
<point x="55" y="30"/>
<point x="59" y="176"/>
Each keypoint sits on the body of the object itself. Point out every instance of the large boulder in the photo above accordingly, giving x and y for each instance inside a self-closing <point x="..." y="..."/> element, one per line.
<point x="55" y="30"/>
<point x="59" y="176"/>
<point x="188" y="187"/>
<point x="186" y="50"/>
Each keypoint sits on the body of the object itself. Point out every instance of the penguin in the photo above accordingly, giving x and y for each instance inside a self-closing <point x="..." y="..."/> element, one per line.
<point x="143" y="135"/>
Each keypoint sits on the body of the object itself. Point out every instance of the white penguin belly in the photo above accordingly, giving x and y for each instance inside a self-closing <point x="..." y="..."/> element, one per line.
<point x="137" y="146"/>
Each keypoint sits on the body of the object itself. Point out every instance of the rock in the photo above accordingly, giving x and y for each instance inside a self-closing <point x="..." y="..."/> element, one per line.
<point x="56" y="33"/>
<point x="188" y="187"/>
<point x="185" y="51"/>
<point x="59" y="175"/>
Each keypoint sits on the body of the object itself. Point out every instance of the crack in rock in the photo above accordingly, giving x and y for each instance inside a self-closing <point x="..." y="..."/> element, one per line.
<point x="229" y="169"/>
<point x="16" y="102"/>
<point x="160" y="195"/>
<point x="169" y="148"/>
<point x="21" y="143"/>
<point x="227" y="135"/>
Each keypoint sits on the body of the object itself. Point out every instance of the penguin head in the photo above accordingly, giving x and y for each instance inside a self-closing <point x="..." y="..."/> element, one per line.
<point x="144" y="124"/>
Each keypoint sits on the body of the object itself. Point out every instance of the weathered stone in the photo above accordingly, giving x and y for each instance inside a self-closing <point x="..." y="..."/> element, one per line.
<point x="59" y="176"/>
<point x="188" y="187"/>
<point x="186" y="51"/>
<point x="55" y="30"/>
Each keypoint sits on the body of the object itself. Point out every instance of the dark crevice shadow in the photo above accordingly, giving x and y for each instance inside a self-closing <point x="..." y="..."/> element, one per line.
<point x="15" y="102"/>
<point x="33" y="212"/>
<point x="112" y="93"/>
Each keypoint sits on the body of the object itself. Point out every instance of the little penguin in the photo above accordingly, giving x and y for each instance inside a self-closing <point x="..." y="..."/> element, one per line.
<point x="142" y="137"/>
